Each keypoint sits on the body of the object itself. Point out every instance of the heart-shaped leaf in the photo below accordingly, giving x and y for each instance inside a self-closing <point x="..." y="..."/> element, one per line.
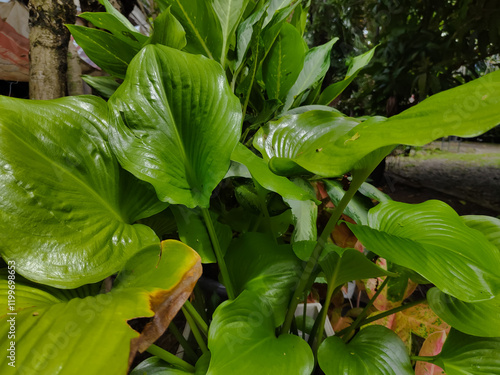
<point x="431" y="239"/>
<point x="322" y="144"/>
<point x="242" y="341"/>
<point x="176" y="124"/>
<point x="478" y="319"/>
<point x="469" y="355"/>
<point x="257" y="264"/>
<point x="375" y="350"/>
<point x="51" y="325"/>
<point x="66" y="206"/>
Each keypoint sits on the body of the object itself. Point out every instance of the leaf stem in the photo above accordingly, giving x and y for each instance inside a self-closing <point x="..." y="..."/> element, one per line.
<point x="196" y="332"/>
<point x="324" y="313"/>
<point x="363" y="314"/>
<point x="170" y="358"/>
<point x="322" y="240"/>
<point x="423" y="358"/>
<point x="391" y="311"/>
<point x="218" y="253"/>
<point x="183" y="342"/>
<point x="197" y="318"/>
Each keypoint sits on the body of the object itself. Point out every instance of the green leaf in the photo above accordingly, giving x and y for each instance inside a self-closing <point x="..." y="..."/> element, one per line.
<point x="356" y="65"/>
<point x="316" y="64"/>
<point x="465" y="111"/>
<point x="229" y="13"/>
<point x="106" y="50"/>
<point x="437" y="244"/>
<point x="358" y="207"/>
<point x="203" y="31"/>
<point x="305" y="214"/>
<point x="155" y="366"/>
<point x="245" y="35"/>
<point x="299" y="18"/>
<point x="375" y="350"/>
<point x="66" y="207"/>
<point x="343" y="265"/>
<point x="478" y="319"/>
<point x="261" y="173"/>
<point x="51" y="327"/>
<point x="284" y="62"/>
<point x="257" y="264"/>
<point x="123" y="31"/>
<point x="285" y="142"/>
<point x="372" y="192"/>
<point x="167" y="30"/>
<point x="176" y="124"/>
<point x="193" y="232"/>
<point x="487" y="225"/>
<point x="105" y="86"/>
<point x="242" y="341"/>
<point x="468" y="355"/>
<point x="275" y="6"/>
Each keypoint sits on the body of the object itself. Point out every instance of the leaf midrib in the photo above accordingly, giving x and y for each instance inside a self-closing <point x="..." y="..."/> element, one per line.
<point x="87" y="187"/>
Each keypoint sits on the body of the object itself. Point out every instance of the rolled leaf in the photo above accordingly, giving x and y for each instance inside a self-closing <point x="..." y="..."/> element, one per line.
<point x="176" y="123"/>
<point x="67" y="208"/>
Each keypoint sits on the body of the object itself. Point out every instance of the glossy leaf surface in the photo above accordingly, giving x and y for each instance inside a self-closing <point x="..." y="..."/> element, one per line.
<point x="374" y="350"/>
<point x="325" y="146"/>
<point x="176" y="124"/>
<point x="67" y="208"/>
<point x="478" y="319"/>
<point x="167" y="30"/>
<point x="257" y="264"/>
<point x="437" y="244"/>
<point x="469" y="355"/>
<point x="242" y="341"/>
<point x="51" y="326"/>
<point x="106" y="50"/>
<point x="284" y="62"/>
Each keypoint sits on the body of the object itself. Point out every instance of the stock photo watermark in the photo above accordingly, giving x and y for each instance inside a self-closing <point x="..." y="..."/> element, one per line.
<point x="11" y="319"/>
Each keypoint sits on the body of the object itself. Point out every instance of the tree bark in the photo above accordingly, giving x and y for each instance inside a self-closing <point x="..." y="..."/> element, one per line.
<point x="49" y="40"/>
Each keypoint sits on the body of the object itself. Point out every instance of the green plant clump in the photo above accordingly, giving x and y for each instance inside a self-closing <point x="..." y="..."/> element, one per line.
<point x="216" y="145"/>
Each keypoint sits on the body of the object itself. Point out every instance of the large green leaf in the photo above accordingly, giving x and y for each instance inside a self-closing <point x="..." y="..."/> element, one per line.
<point x="342" y="265"/>
<point x="487" y="225"/>
<point x="478" y="319"/>
<point x="469" y="355"/>
<point x="242" y="341"/>
<point x="106" y="50"/>
<point x="261" y="173"/>
<point x="176" y="124"/>
<point x="66" y="206"/>
<point x="318" y="143"/>
<point x="229" y="13"/>
<point x="316" y="64"/>
<point x="257" y="264"/>
<point x="334" y="90"/>
<point x="203" y="31"/>
<point x="431" y="239"/>
<point x="51" y="326"/>
<point x="375" y="350"/>
<point x="284" y="62"/>
<point x="167" y="30"/>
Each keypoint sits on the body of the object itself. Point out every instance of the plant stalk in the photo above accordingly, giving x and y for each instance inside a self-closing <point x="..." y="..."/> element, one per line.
<point x="196" y="332"/>
<point x="322" y="240"/>
<point x="423" y="358"/>
<point x="202" y="325"/>
<point x="218" y="253"/>
<point x="391" y="311"/>
<point x="188" y="351"/>
<point x="363" y="314"/>
<point x="324" y="313"/>
<point x="170" y="358"/>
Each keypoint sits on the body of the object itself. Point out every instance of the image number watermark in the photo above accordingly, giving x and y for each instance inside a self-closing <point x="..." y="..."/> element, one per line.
<point x="11" y="320"/>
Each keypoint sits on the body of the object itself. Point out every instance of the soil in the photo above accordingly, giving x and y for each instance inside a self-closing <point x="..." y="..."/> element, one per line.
<point x="469" y="183"/>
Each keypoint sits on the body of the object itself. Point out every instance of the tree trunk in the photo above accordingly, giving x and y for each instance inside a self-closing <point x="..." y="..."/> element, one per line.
<point x="49" y="40"/>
